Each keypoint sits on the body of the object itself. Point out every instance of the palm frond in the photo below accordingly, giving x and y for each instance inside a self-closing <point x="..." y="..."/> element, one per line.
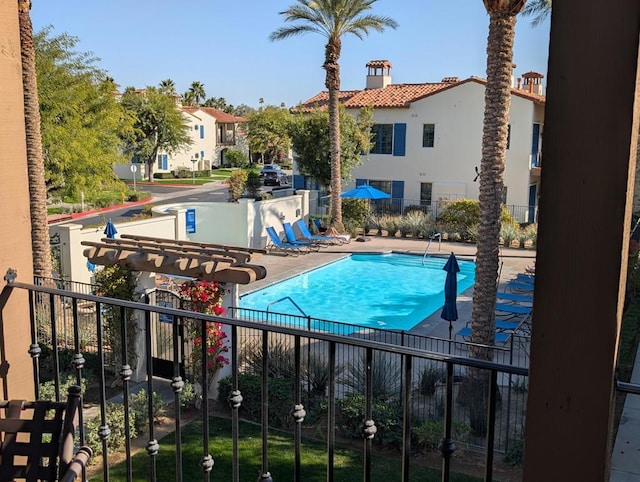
<point x="538" y="10"/>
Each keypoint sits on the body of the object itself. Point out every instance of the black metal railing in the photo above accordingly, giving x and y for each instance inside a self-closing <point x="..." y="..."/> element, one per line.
<point x="343" y="381"/>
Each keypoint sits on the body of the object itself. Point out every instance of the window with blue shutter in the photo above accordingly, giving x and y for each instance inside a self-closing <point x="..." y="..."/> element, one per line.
<point x="360" y="182"/>
<point x="535" y="145"/>
<point x="165" y="162"/>
<point x="202" y="155"/>
<point x="399" y="139"/>
<point x="201" y="132"/>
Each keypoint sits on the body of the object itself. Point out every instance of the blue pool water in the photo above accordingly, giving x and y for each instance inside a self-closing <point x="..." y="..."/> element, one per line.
<point x="390" y="291"/>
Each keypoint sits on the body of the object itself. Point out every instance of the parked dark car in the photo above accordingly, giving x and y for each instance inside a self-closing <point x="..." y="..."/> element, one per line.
<point x="275" y="177"/>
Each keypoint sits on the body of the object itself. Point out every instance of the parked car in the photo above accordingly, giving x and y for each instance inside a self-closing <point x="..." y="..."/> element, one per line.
<point x="269" y="168"/>
<point x="276" y="177"/>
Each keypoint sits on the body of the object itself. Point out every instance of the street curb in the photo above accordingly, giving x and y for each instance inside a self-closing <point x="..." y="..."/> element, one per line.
<point x="56" y="218"/>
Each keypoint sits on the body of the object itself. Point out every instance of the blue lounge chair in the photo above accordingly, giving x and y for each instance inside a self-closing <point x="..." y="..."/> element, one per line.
<point x="520" y="287"/>
<point x="318" y="225"/>
<point x="515" y="297"/>
<point x="525" y="278"/>
<point x="286" y="248"/>
<point x="501" y="336"/>
<point x="514" y="309"/>
<point x="307" y="236"/>
<point x="291" y="238"/>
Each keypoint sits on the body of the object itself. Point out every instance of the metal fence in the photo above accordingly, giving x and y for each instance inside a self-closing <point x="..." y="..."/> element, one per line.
<point x="392" y="390"/>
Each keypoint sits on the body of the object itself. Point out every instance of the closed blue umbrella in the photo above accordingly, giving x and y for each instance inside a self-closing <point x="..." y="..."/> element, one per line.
<point x="450" y="309"/>
<point x="110" y="230"/>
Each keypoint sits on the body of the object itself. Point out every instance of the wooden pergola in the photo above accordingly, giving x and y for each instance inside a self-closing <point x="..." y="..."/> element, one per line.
<point x="204" y="261"/>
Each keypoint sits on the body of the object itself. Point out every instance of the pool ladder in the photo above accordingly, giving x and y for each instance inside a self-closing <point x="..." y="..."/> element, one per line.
<point x="426" y="251"/>
<point x="292" y="302"/>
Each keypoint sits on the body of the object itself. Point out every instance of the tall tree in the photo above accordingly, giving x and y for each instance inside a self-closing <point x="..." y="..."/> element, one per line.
<point x="333" y="19"/>
<point x="268" y="131"/>
<point x="198" y="93"/>
<point x="538" y="10"/>
<point x="167" y="86"/>
<point x="82" y="120"/>
<point x="502" y="22"/>
<point x="310" y="141"/>
<point x="40" y="245"/>
<point x="159" y="126"/>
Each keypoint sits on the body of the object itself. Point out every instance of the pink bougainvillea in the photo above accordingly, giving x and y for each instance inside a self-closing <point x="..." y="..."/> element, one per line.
<point x="206" y="297"/>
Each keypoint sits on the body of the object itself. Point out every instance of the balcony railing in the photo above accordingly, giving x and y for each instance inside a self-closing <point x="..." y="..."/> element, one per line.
<point x="318" y="370"/>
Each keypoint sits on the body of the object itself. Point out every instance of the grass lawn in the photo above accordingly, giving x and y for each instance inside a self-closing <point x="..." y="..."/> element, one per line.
<point x="348" y="463"/>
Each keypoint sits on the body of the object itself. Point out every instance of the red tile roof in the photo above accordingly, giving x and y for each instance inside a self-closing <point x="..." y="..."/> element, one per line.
<point x="399" y="95"/>
<point x="218" y="114"/>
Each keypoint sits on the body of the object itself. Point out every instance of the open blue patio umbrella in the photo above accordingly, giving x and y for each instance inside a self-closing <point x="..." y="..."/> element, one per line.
<point x="110" y="230"/>
<point x="450" y="309"/>
<point x="364" y="191"/>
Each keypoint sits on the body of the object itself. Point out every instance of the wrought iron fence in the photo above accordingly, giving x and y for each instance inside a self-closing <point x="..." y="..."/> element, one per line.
<point x="391" y="389"/>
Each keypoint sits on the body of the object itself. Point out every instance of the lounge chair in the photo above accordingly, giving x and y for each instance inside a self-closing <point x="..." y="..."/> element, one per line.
<point x="465" y="333"/>
<point x="286" y="248"/>
<point x="520" y="287"/>
<point x="291" y="238"/>
<point x="515" y="297"/>
<point x="514" y="309"/>
<point x="308" y="236"/>
<point x="525" y="278"/>
<point x="318" y="225"/>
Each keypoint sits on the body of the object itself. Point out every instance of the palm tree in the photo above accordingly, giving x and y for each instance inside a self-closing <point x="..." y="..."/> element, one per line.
<point x="538" y="9"/>
<point x="197" y="92"/>
<point x="167" y="86"/>
<point x="333" y="19"/>
<point x="40" y="244"/>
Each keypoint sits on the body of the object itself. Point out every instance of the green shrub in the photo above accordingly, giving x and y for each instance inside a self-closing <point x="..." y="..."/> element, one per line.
<point x="515" y="454"/>
<point x="188" y="395"/>
<point x="460" y="215"/>
<point x="429" y="434"/>
<point x="138" y="405"/>
<point x="253" y="183"/>
<point x="386" y="415"/>
<point x="133" y="196"/>
<point x="48" y="389"/>
<point x="532" y="233"/>
<point x="385" y="371"/>
<point x="523" y="237"/>
<point x="181" y="173"/>
<point x="164" y="175"/>
<point x="390" y="224"/>
<point x="237" y="184"/>
<point x="235" y="158"/>
<point x="115" y="421"/>
<point x="509" y="233"/>
<point x="280" y="355"/>
<point x="355" y="210"/>
<point x="429" y="378"/>
<point x="250" y="386"/>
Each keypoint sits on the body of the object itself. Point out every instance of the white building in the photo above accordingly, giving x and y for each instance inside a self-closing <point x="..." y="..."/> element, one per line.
<point x="213" y="132"/>
<point x="428" y="138"/>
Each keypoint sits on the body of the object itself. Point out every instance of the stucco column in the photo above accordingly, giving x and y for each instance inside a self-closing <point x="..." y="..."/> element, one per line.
<point x="16" y="373"/>
<point x="181" y="223"/>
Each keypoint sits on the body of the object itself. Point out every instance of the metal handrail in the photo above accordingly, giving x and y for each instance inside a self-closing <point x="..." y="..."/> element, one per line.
<point x="284" y="299"/>
<point x="426" y="251"/>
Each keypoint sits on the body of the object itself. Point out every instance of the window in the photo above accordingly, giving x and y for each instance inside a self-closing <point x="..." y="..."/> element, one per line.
<point x="382" y="138"/>
<point x="426" y="188"/>
<point x="508" y="136"/>
<point x="202" y="132"/>
<point x="163" y="161"/>
<point x="195" y="128"/>
<point x="384" y="186"/>
<point x="504" y="194"/>
<point x="428" y="135"/>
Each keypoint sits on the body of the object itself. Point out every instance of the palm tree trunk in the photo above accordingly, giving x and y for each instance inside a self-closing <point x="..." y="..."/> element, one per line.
<point x="42" y="264"/>
<point x="494" y="145"/>
<point x="332" y="82"/>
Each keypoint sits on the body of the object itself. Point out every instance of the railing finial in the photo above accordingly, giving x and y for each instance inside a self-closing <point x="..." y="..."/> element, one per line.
<point x="11" y="275"/>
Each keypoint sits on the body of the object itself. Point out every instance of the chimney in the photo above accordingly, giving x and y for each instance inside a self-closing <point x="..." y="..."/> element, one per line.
<point x="378" y="74"/>
<point x="533" y="83"/>
<point x="519" y="86"/>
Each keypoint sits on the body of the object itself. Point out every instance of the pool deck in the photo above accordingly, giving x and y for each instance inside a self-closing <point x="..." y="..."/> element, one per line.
<point x="280" y="266"/>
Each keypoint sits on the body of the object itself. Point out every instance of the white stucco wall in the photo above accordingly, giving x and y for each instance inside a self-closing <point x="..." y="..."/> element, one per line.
<point x="458" y="117"/>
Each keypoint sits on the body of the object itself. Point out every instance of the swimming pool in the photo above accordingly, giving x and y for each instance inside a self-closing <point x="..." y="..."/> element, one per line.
<point x="384" y="291"/>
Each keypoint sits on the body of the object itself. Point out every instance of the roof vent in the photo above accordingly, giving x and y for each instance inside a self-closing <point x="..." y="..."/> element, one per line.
<point x="451" y="80"/>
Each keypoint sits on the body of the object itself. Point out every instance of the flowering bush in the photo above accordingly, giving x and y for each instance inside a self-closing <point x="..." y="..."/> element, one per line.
<point x="206" y="297"/>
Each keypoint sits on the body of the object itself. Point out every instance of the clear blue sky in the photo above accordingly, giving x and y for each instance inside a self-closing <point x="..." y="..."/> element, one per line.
<point x="225" y="44"/>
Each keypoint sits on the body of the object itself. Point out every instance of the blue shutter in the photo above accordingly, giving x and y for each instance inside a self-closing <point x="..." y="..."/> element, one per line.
<point x="202" y="155"/>
<point x="399" y="139"/>
<point x="201" y="131"/>
<point x="165" y="161"/>
<point x="397" y="194"/>
<point x="360" y="182"/>
<point x="535" y="145"/>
